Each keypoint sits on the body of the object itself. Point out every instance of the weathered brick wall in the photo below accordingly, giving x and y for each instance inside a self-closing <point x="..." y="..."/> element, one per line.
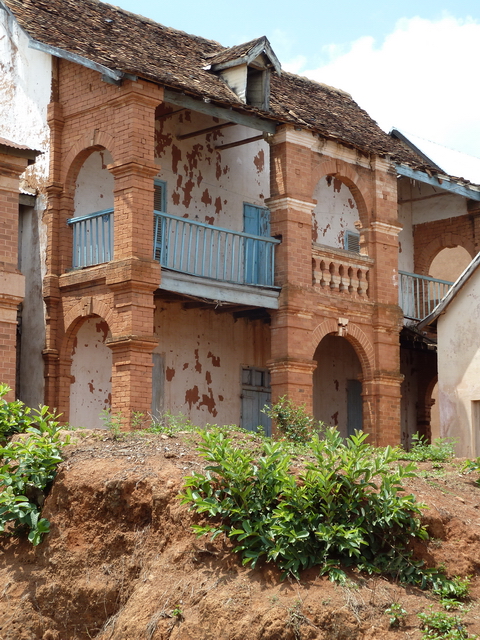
<point x="12" y="286"/>
<point x="87" y="115"/>
<point x="309" y="312"/>
<point x="431" y="237"/>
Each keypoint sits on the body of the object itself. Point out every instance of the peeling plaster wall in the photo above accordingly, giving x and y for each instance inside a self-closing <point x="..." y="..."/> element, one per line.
<point x="203" y="356"/>
<point x="459" y="368"/>
<point x="336" y="212"/>
<point x="337" y="362"/>
<point x="91" y="370"/>
<point x="204" y="184"/>
<point x="419" y="203"/>
<point x="25" y="89"/>
<point x="95" y="184"/>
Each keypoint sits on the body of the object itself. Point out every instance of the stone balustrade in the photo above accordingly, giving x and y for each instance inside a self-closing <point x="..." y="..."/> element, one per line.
<point x="341" y="272"/>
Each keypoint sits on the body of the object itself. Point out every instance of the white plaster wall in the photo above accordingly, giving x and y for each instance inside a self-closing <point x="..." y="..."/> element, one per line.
<point x="203" y="356"/>
<point x="335" y="212"/>
<point x="95" y="184"/>
<point x="236" y="78"/>
<point x="406" y="261"/>
<point x="459" y="367"/>
<point x="25" y="89"/>
<point x="204" y="184"/>
<point x="90" y="392"/>
<point x="337" y="362"/>
<point x="417" y="197"/>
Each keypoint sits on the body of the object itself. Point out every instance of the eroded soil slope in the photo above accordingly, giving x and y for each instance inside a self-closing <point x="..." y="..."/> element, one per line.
<point x="121" y="562"/>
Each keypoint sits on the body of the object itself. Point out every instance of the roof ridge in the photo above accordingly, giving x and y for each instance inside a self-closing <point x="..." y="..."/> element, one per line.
<point x="320" y="84"/>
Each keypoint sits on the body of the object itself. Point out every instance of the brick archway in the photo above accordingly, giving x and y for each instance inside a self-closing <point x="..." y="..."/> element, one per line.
<point x="81" y="150"/>
<point x="357" y="184"/>
<point x="433" y="248"/>
<point x="357" y="338"/>
<point x="86" y="308"/>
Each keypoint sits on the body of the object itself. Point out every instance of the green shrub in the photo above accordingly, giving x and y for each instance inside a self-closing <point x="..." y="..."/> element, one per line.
<point x="453" y="591"/>
<point x="441" y="450"/>
<point x="442" y="626"/>
<point x="348" y="507"/>
<point x="293" y="421"/>
<point x="472" y="465"/>
<point x="14" y="416"/>
<point x="27" y="470"/>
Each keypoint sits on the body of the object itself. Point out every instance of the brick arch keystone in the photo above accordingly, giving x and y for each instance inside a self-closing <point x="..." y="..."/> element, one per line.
<point x="346" y="173"/>
<point x="447" y="240"/>
<point x="357" y="338"/>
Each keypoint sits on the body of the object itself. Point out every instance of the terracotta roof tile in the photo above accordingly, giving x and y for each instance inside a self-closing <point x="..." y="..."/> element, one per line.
<point x="133" y="44"/>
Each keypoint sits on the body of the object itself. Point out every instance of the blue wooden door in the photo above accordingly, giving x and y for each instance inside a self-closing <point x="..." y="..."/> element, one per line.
<point x="256" y="221"/>
<point x="354" y="407"/>
<point x="255" y="396"/>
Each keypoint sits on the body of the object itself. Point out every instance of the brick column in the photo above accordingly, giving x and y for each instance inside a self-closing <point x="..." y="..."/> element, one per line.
<point x="291" y="209"/>
<point x="13" y="162"/>
<point x="133" y="275"/>
<point x="382" y="392"/>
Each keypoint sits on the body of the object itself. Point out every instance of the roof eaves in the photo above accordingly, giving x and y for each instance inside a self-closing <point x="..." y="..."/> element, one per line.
<point x="112" y="74"/>
<point x="441" y="181"/>
<point x="395" y="133"/>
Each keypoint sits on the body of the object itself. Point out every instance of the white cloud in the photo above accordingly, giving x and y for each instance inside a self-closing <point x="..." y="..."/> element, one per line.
<point x="423" y="78"/>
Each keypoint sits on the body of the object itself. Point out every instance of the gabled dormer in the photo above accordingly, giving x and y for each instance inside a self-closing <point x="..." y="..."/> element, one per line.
<point x="246" y="69"/>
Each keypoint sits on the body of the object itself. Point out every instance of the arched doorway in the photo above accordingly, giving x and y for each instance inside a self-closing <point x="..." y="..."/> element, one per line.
<point x="337" y="389"/>
<point x="91" y="370"/>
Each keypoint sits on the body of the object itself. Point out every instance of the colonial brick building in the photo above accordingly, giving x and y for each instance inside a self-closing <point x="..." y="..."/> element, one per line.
<point x="14" y="159"/>
<point x="214" y="232"/>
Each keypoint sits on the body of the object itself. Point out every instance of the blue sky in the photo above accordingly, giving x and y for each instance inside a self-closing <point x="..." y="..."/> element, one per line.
<point x="412" y="64"/>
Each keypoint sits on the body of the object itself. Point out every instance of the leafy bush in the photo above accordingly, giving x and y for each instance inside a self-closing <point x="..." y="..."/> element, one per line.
<point x="28" y="467"/>
<point x="293" y="421"/>
<point x="441" y="450"/>
<point x="14" y="416"/>
<point x="442" y="626"/>
<point x="347" y="507"/>
<point x="452" y="592"/>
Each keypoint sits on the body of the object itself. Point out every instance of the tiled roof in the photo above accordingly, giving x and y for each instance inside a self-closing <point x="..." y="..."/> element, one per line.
<point x="235" y="52"/>
<point x="14" y="145"/>
<point x="125" y="42"/>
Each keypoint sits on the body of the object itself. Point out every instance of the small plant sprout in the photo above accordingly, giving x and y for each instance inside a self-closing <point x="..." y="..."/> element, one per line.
<point x="177" y="612"/>
<point x="397" y="615"/>
<point x="112" y="422"/>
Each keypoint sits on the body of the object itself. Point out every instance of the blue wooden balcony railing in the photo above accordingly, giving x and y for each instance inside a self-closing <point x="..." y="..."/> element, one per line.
<point x="419" y="295"/>
<point x="202" y="250"/>
<point x="92" y="238"/>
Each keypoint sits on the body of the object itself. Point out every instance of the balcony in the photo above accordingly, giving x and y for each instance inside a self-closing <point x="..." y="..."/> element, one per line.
<point x="341" y="272"/>
<point x="419" y="295"/>
<point x="203" y="260"/>
<point x="92" y="238"/>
